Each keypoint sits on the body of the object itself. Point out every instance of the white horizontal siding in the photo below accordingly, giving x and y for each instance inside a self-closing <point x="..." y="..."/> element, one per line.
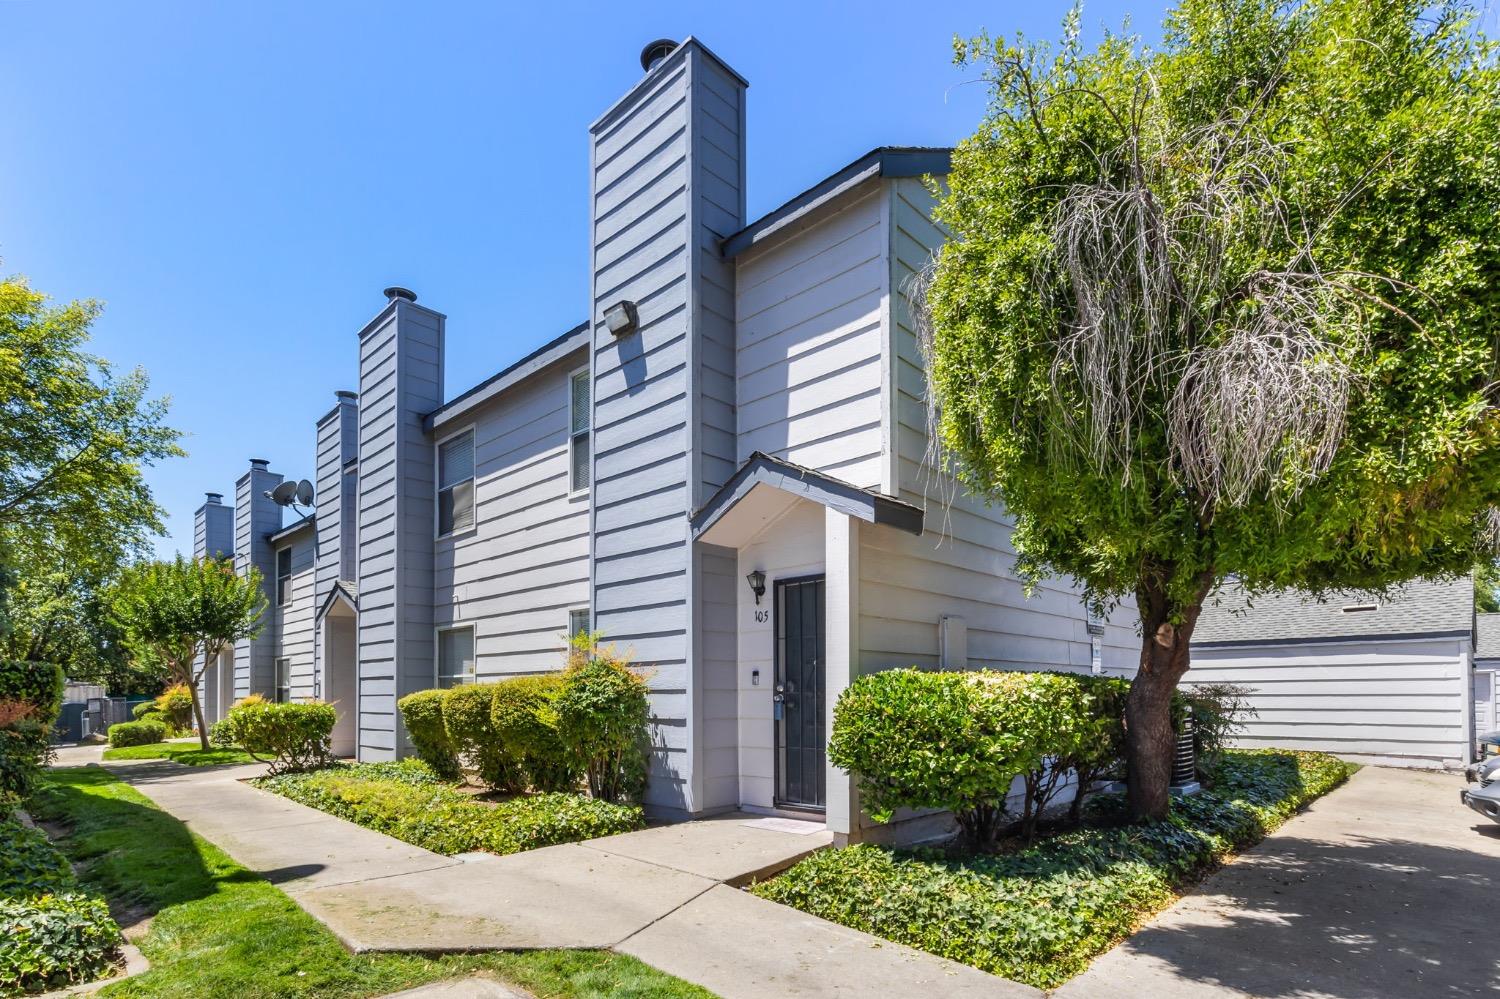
<point x="1401" y="701"/>
<point x="808" y="360"/>
<point x="964" y="563"/>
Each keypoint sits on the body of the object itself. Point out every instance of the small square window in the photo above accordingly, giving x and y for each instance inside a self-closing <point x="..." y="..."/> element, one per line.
<point x="578" y="622"/>
<point x="455" y="497"/>
<point x="455" y="653"/>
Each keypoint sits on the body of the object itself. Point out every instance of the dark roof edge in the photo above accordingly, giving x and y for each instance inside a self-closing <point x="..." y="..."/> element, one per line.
<point x="1405" y="636"/>
<point x="339" y="589"/>
<point x="885" y="161"/>
<point x="548" y="353"/>
<point x="761" y="468"/>
<point x="291" y="530"/>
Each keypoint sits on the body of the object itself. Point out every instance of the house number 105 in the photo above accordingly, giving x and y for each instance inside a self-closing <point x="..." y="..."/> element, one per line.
<point x="762" y="616"/>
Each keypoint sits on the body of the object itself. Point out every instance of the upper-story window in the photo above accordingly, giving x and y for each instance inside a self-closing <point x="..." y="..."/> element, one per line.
<point x="455" y="496"/>
<point x="578" y="441"/>
<point x="283" y="576"/>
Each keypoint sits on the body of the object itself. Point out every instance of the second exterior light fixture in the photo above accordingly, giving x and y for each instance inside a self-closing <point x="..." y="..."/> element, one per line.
<point x="622" y="318"/>
<point x="757" y="581"/>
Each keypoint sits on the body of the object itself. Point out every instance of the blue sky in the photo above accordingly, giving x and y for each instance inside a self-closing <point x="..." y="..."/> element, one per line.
<point x="238" y="182"/>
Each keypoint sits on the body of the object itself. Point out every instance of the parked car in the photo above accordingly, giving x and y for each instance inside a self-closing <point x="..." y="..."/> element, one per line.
<point x="1484" y="800"/>
<point x="1483" y="772"/>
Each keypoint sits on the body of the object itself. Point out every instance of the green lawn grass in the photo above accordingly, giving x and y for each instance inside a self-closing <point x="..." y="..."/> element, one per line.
<point x="218" y="930"/>
<point x="190" y="754"/>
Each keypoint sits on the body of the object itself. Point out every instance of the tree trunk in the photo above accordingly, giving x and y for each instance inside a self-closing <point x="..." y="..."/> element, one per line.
<point x="1149" y="739"/>
<point x="192" y="686"/>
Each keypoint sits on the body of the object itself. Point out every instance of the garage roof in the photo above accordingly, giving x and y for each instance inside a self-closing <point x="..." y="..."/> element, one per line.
<point x="1487" y="636"/>
<point x="1420" y="608"/>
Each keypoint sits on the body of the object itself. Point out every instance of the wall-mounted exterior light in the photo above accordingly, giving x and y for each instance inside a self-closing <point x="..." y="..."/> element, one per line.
<point x="622" y="318"/>
<point x="757" y="581"/>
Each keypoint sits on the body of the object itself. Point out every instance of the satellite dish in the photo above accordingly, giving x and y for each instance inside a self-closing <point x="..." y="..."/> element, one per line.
<point x="304" y="493"/>
<point x="284" y="494"/>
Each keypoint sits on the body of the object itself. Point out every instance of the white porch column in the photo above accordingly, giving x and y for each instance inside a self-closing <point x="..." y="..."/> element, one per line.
<point x="841" y="619"/>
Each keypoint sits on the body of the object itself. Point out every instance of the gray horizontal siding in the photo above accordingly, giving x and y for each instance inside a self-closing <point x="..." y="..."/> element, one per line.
<point x="525" y="564"/>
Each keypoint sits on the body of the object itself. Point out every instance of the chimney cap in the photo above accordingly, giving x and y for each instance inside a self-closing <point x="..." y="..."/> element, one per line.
<point x="346" y="394"/>
<point x="259" y="463"/>
<point x="214" y="498"/>
<point x="395" y="291"/>
<point x="655" y="52"/>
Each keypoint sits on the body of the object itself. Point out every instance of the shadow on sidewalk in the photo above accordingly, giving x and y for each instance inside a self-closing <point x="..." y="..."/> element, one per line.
<point x="1365" y="918"/>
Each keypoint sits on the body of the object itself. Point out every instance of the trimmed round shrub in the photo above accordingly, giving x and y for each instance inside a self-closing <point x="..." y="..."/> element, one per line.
<point x="176" y="707"/>
<point x="290" y="737"/>
<point x="946" y="740"/>
<point x="525" y="717"/>
<point x="221" y="734"/>
<point x="143" y="709"/>
<point x="468" y="719"/>
<point x="602" y="713"/>
<point x="49" y="941"/>
<point x="136" y="733"/>
<point x="422" y="714"/>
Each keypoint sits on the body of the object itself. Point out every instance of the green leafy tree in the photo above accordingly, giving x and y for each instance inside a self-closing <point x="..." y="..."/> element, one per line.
<point x="1228" y="306"/>
<point x="178" y="616"/>
<point x="1487" y="587"/>
<point x="74" y="505"/>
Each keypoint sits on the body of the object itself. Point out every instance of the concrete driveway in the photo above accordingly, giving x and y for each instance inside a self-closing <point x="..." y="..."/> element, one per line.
<point x="1385" y="889"/>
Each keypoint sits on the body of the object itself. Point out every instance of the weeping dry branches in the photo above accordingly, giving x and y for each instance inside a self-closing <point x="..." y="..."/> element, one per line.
<point x="1173" y="318"/>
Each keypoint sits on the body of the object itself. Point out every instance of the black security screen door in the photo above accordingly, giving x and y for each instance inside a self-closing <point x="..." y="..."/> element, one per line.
<point x="799" y="693"/>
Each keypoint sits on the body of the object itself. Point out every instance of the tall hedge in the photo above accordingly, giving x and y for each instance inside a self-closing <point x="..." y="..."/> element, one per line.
<point x="38" y="684"/>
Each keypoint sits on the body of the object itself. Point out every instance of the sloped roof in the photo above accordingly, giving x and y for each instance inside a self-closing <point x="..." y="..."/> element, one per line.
<point x="1487" y="636"/>
<point x="1419" y="608"/>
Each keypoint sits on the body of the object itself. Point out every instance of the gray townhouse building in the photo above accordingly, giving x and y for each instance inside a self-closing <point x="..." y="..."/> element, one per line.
<point x="722" y="469"/>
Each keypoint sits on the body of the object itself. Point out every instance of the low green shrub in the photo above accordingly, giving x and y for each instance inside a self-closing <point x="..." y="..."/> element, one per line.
<point x="221" y="734"/>
<point x="525" y="717"/>
<point x="51" y="941"/>
<point x="25" y="748"/>
<point x="291" y="737"/>
<point x="143" y="709"/>
<point x="51" y="934"/>
<point x="29" y="865"/>
<point x="422" y="713"/>
<point x="602" y="714"/>
<point x="1038" y="915"/>
<point x="468" y="719"/>
<point x="175" y="705"/>
<point x="412" y="805"/>
<point x="1220" y="711"/>
<point x="38" y="684"/>
<point x="945" y="740"/>
<point x="136" y="733"/>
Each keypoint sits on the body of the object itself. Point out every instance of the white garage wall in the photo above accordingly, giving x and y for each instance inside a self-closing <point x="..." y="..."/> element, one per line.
<point x="1403" y="702"/>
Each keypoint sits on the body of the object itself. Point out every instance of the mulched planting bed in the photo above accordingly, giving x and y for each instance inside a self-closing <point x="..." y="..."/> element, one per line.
<point x="1039" y="914"/>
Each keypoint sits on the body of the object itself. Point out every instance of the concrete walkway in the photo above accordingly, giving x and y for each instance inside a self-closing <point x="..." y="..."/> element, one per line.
<point x="1385" y="888"/>
<point x="665" y="894"/>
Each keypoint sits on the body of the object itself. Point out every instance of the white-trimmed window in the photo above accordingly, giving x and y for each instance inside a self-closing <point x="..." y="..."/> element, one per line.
<point x="578" y="622"/>
<point x="578" y="440"/>
<point x="455" y="656"/>
<point x="283" y="681"/>
<point x="455" y="482"/>
<point x="283" y="576"/>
